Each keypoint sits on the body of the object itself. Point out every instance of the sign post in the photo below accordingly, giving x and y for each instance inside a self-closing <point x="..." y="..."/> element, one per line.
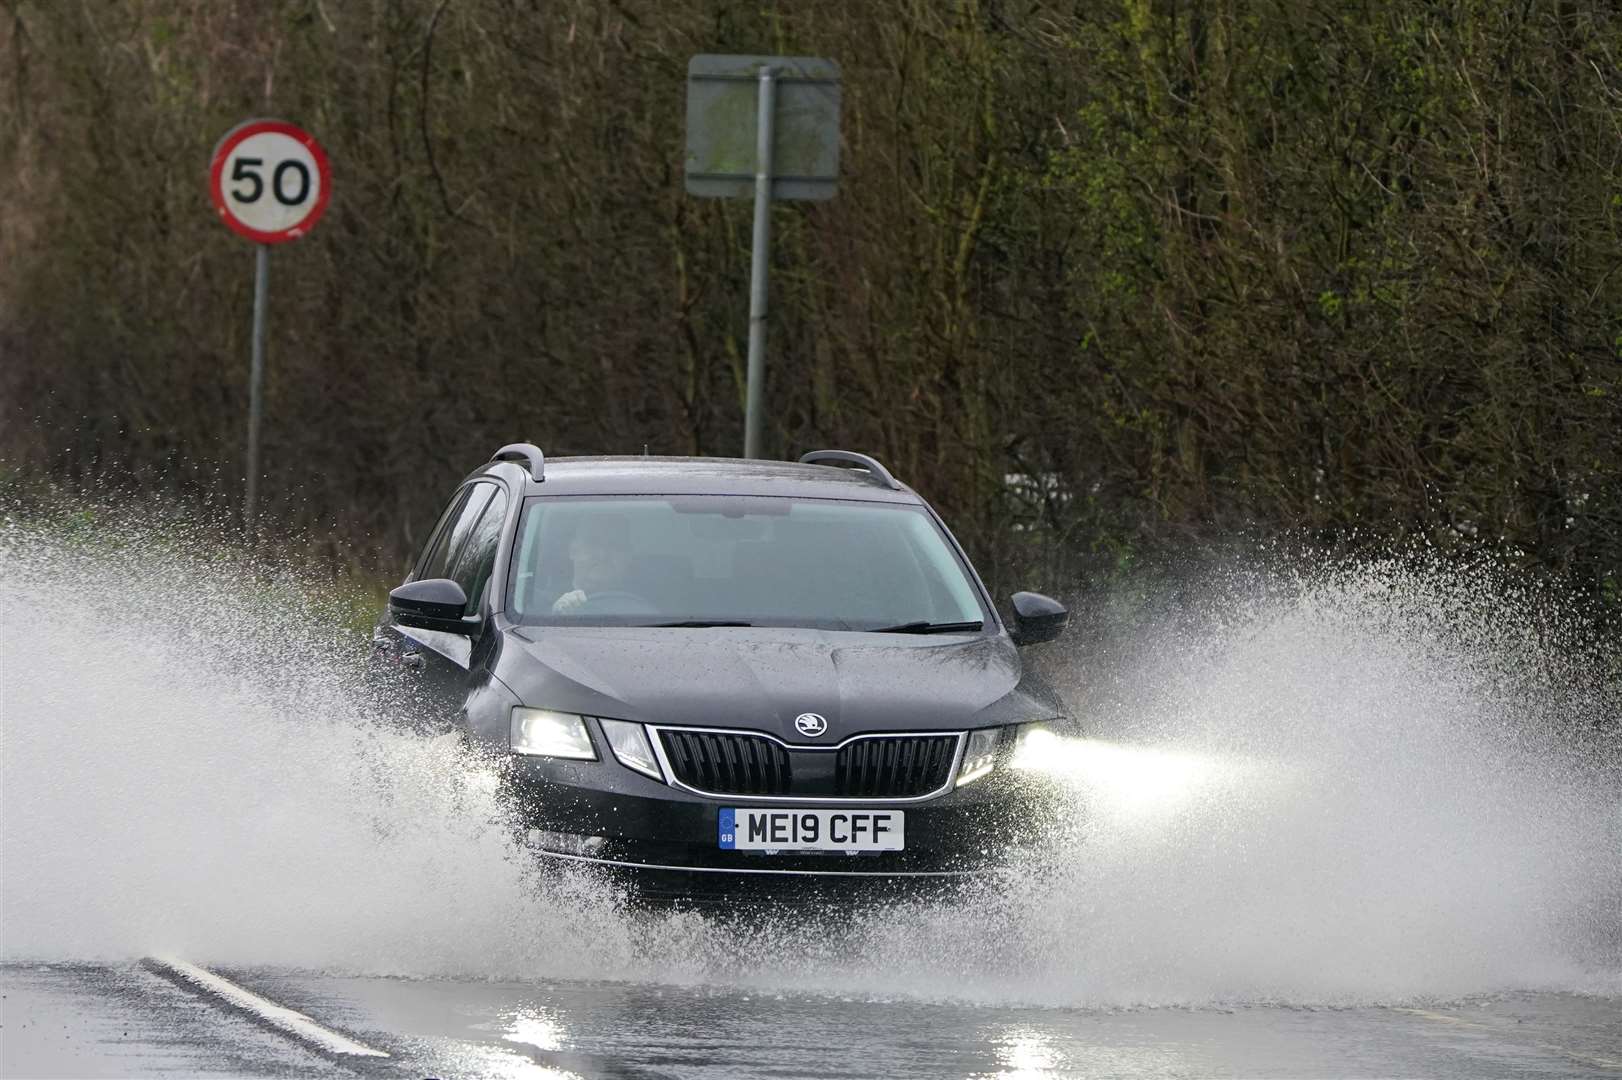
<point x="788" y="108"/>
<point x="270" y="184"/>
<point x="759" y="256"/>
<point x="256" y="382"/>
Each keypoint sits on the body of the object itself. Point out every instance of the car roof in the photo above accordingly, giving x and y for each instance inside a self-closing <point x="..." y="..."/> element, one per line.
<point x="633" y="475"/>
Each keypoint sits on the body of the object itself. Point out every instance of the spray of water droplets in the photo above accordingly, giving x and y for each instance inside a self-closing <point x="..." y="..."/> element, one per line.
<point x="1367" y="781"/>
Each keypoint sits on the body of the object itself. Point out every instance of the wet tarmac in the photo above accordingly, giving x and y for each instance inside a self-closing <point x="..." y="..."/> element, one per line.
<point x="132" y="1020"/>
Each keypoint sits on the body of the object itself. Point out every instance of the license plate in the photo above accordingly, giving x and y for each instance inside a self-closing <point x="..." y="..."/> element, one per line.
<point x="766" y="829"/>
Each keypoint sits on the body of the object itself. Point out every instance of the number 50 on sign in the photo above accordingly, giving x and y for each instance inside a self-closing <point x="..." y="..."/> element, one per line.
<point x="269" y="181"/>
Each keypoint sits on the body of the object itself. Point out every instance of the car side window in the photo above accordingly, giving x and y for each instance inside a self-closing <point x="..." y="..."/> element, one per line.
<point x="477" y="558"/>
<point x="452" y="537"/>
<point x="438" y="534"/>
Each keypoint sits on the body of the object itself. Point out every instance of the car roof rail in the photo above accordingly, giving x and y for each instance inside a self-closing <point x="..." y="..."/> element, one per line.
<point x="880" y="473"/>
<point x="523" y="451"/>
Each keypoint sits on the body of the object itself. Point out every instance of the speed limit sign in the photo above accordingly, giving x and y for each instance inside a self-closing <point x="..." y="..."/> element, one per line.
<point x="269" y="181"/>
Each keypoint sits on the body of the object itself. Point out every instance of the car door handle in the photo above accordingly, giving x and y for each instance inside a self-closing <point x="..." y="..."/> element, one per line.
<point x="412" y="661"/>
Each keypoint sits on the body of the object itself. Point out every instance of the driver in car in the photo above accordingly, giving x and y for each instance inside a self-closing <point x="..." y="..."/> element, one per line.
<point x="601" y="553"/>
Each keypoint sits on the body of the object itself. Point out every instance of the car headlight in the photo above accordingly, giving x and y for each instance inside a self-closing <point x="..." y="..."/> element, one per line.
<point x="1034" y="744"/>
<point x="631" y="747"/>
<point x="545" y="733"/>
<point x="980" y="756"/>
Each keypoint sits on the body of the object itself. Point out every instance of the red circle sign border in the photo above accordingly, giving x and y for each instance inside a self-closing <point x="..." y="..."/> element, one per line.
<point x="216" y="189"/>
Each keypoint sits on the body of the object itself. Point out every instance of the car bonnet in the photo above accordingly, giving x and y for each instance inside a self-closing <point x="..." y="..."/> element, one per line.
<point x="763" y="679"/>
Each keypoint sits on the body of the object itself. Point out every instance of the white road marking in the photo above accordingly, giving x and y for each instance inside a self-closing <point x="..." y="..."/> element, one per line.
<point x="284" y="1019"/>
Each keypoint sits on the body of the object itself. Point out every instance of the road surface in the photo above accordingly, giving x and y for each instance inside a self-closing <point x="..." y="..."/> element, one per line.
<point x="145" y="1019"/>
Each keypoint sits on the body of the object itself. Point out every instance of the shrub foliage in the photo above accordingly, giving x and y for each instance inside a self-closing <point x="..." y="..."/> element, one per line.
<point x="1176" y="267"/>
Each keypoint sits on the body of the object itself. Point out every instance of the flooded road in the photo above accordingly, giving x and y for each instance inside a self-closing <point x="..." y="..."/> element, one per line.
<point x="1340" y="823"/>
<point x="126" y="1020"/>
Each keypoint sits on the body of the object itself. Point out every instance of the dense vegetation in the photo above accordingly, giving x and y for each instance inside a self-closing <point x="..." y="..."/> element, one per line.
<point x="1189" y="267"/>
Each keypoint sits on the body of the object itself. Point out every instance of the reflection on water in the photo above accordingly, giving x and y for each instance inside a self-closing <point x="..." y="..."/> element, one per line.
<point x="536" y="1029"/>
<point x="1027" y="1054"/>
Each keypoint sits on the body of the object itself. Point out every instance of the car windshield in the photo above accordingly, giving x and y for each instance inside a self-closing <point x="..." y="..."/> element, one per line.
<point x="740" y="560"/>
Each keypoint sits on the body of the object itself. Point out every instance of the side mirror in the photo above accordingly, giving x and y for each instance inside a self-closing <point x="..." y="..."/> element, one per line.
<point x="1037" y="618"/>
<point x="432" y="604"/>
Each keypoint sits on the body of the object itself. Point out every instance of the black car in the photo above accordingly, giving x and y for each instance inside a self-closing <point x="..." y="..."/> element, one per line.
<point x="718" y="677"/>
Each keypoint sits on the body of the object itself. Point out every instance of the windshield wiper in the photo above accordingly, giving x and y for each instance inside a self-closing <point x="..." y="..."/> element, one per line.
<point x="697" y="623"/>
<point x="925" y="627"/>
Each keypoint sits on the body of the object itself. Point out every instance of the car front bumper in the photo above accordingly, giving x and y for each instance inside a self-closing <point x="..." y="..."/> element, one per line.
<point x="716" y="888"/>
<point x="663" y="841"/>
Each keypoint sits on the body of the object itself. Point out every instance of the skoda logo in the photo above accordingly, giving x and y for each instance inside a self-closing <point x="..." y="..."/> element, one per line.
<point x="810" y="724"/>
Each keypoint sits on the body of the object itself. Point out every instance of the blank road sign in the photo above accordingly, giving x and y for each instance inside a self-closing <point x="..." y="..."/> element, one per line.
<point x="722" y="116"/>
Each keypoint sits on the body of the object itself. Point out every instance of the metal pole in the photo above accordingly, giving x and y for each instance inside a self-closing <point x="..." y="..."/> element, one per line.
<point x="753" y="419"/>
<point x="256" y="381"/>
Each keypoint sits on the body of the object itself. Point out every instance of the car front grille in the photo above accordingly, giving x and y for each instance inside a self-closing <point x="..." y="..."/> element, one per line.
<point x="870" y="767"/>
<point x="726" y="763"/>
<point x="901" y="767"/>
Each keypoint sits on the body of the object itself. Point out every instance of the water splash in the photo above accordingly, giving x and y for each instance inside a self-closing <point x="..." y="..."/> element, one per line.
<point x="1363" y="782"/>
<point x="193" y="765"/>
